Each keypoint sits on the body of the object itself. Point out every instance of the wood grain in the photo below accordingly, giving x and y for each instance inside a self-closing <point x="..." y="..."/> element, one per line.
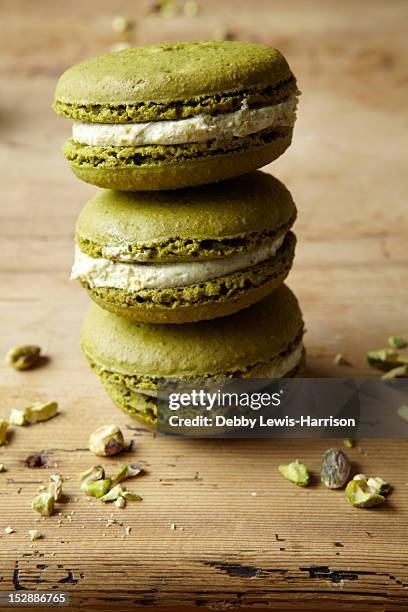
<point x="285" y="548"/>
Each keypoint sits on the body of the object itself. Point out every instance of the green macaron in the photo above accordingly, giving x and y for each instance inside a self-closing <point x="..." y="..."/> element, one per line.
<point x="177" y="115"/>
<point x="190" y="255"/>
<point x="132" y="359"/>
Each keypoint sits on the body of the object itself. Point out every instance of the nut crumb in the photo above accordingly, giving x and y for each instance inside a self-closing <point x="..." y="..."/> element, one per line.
<point x="9" y="530"/>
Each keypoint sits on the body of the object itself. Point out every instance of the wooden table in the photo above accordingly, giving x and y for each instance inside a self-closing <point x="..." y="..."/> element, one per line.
<point x="285" y="547"/>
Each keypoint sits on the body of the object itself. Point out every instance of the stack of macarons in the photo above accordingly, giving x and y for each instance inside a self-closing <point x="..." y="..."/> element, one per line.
<point x="186" y="247"/>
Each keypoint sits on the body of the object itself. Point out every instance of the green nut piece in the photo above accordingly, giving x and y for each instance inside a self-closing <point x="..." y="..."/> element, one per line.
<point x="385" y="359"/>
<point x="94" y="474"/>
<point x="348" y="442"/>
<point x="334" y="469"/>
<point x="106" y="441"/>
<point x="97" y="488"/>
<point x="125" y="471"/>
<point x="41" y="412"/>
<point x="3" y="431"/>
<point x="43" y="504"/>
<point x="120" y="502"/>
<point x="365" y="493"/>
<point x="55" y="486"/>
<point x="23" y="357"/>
<point x="17" y="417"/>
<point x="131" y="496"/>
<point x="398" y="372"/>
<point x="113" y="494"/>
<point x="296" y="472"/>
<point x="398" y="343"/>
<point x="35" y="413"/>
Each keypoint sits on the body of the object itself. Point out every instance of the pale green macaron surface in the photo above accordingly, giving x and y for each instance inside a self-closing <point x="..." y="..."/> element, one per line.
<point x="170" y="82"/>
<point x="158" y="230"/>
<point x="132" y="359"/>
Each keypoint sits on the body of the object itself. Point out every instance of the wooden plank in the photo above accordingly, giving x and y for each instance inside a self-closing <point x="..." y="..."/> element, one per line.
<point x="286" y="547"/>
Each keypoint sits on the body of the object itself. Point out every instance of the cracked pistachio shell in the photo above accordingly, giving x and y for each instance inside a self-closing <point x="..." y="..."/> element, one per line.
<point x="295" y="472"/>
<point x="334" y="469"/>
<point x="106" y="441"/>
<point x="3" y="431"/>
<point x="97" y="488"/>
<point x="361" y="495"/>
<point x="43" y="504"/>
<point x="23" y="357"/>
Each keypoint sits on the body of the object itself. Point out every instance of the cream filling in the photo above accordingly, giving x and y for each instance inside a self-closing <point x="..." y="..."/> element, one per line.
<point x="194" y="129"/>
<point x="100" y="272"/>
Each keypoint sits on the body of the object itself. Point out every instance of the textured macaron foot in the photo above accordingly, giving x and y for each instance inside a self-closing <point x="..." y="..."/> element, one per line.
<point x="166" y="257"/>
<point x="133" y="360"/>
<point x="214" y="298"/>
<point x="177" y="115"/>
<point x="169" y="167"/>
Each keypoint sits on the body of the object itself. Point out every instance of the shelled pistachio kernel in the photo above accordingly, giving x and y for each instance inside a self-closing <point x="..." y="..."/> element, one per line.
<point x="403" y="412"/>
<point x="35" y="534"/>
<point x="106" y="441"/>
<point x="398" y="372"/>
<point x="97" y="488"/>
<point x="120" y="502"/>
<point x="348" y="442"/>
<point x="385" y="359"/>
<point x="124" y="471"/>
<point x="55" y="486"/>
<point x="364" y="493"/>
<point x="43" y="503"/>
<point x="396" y="342"/>
<point x="39" y="411"/>
<point x="295" y="472"/>
<point x="334" y="469"/>
<point x="23" y="357"/>
<point x="3" y="431"/>
<point x="113" y="494"/>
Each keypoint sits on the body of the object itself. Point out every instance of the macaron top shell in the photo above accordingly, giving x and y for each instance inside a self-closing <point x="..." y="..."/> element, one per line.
<point x="168" y="72"/>
<point x="255" y="203"/>
<point x="222" y="346"/>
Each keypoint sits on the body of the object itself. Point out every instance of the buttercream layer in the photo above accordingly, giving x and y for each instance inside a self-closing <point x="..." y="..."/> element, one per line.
<point x="200" y="128"/>
<point x="101" y="272"/>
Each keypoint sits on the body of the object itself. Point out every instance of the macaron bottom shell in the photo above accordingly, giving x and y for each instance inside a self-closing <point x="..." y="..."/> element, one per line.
<point x="209" y="300"/>
<point x="97" y="166"/>
<point x="143" y="408"/>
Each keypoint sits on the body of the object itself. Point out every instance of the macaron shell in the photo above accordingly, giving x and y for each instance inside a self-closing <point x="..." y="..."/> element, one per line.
<point x="168" y="72"/>
<point x="233" y="343"/>
<point x="180" y="174"/>
<point x="214" y="298"/>
<point x="254" y="202"/>
<point x="143" y="407"/>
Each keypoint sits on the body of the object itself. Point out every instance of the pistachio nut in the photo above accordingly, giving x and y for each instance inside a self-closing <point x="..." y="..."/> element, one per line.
<point x="334" y="469"/>
<point x="366" y="493"/>
<point x="295" y="472"/>
<point x="3" y="431"/>
<point x="97" y="488"/>
<point x="43" y="503"/>
<point x="55" y="486"/>
<point x="107" y="440"/>
<point x="23" y="357"/>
